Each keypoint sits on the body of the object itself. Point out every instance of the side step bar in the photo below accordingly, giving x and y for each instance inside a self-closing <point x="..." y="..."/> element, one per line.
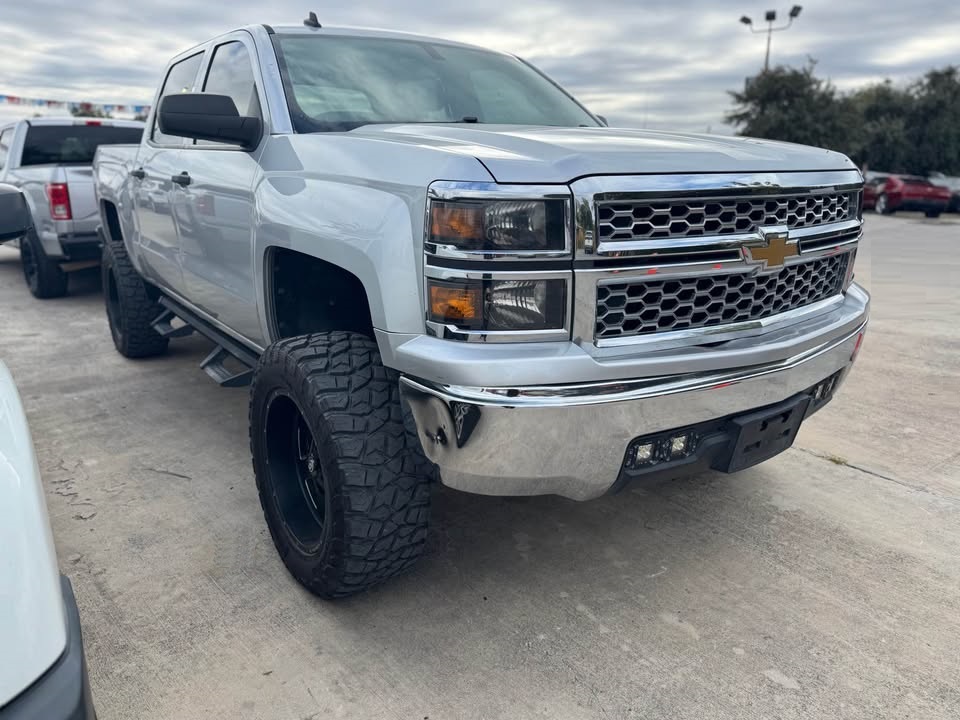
<point x="164" y="325"/>
<point x="214" y="364"/>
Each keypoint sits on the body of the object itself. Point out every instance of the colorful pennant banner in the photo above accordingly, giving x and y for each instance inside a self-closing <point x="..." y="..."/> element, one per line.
<point x="73" y="106"/>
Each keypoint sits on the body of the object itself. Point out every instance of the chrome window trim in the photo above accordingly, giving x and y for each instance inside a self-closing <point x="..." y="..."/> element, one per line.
<point x="452" y="191"/>
<point x="452" y="332"/>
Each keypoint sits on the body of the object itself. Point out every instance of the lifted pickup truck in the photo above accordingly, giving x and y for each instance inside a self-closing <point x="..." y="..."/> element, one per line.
<point x="430" y="260"/>
<point x="49" y="160"/>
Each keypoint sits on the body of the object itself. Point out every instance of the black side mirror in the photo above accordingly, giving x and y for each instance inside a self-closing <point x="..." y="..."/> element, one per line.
<point x="208" y="117"/>
<point x="14" y="214"/>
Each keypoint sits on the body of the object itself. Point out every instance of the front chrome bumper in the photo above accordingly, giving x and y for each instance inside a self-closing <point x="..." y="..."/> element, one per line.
<point x="570" y="439"/>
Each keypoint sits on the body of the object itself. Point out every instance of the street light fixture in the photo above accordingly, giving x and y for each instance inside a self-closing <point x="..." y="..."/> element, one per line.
<point x="771" y="17"/>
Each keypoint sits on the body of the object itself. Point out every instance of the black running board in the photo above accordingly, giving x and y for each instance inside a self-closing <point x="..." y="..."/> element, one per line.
<point x="227" y="347"/>
<point x="164" y="325"/>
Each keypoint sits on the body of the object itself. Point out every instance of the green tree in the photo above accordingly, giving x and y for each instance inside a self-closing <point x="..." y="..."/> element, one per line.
<point x="934" y="122"/>
<point x="792" y="104"/>
<point x="883" y="114"/>
<point x="911" y="130"/>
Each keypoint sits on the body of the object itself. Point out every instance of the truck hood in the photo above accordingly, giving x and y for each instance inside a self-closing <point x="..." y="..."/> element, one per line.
<point x="526" y="154"/>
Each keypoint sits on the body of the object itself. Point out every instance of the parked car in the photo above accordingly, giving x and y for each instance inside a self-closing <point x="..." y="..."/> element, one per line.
<point x="49" y="159"/>
<point x="428" y="257"/>
<point x="888" y="193"/>
<point x="43" y="672"/>
<point x="953" y="183"/>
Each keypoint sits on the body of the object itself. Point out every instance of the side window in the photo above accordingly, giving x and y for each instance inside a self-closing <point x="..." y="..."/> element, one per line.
<point x="180" y="79"/>
<point x="231" y="73"/>
<point x="6" y="137"/>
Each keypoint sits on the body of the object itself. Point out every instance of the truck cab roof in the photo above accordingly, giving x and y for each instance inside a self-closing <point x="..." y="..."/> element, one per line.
<point x="344" y="31"/>
<point x="70" y="120"/>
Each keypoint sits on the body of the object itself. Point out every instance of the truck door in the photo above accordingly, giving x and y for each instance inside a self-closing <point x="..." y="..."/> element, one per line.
<point x="215" y="212"/>
<point x="153" y="186"/>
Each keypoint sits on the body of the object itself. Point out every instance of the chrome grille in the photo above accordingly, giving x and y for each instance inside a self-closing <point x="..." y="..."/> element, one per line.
<point x="644" y="306"/>
<point x="698" y="217"/>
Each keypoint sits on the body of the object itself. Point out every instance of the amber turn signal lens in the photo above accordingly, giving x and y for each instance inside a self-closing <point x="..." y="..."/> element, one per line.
<point x="456" y="222"/>
<point x="455" y="304"/>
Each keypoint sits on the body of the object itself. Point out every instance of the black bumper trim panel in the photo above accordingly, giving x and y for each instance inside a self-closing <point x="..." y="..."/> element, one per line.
<point x="718" y="441"/>
<point x="63" y="691"/>
<point x="81" y="246"/>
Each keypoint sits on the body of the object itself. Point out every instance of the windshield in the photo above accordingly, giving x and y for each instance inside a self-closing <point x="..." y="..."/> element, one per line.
<point x="338" y="83"/>
<point x="72" y="144"/>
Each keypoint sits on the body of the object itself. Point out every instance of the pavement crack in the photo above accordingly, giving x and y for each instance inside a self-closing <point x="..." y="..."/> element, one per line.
<point x="836" y="460"/>
<point x="169" y="473"/>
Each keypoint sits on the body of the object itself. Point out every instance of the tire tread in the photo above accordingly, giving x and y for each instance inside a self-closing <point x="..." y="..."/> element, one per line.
<point x="138" y="338"/>
<point x="380" y="496"/>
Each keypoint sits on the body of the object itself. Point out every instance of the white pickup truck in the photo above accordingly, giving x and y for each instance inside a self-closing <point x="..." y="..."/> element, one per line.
<point x="431" y="261"/>
<point x="43" y="670"/>
<point x="49" y="159"/>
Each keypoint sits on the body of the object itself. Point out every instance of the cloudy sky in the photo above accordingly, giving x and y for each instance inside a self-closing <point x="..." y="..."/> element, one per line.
<point x="646" y="63"/>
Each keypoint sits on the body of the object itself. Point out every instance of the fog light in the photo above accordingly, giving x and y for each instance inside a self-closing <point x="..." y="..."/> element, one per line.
<point x="648" y="452"/>
<point x="678" y="445"/>
<point x="644" y="453"/>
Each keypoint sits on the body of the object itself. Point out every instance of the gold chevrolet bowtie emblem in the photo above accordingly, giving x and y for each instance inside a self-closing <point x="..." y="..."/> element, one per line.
<point x="773" y="247"/>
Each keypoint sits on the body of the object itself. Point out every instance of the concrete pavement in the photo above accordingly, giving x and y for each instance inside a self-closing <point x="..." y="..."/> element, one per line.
<point x="823" y="583"/>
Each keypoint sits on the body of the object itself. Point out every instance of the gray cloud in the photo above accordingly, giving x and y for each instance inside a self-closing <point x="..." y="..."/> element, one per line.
<point x="655" y="63"/>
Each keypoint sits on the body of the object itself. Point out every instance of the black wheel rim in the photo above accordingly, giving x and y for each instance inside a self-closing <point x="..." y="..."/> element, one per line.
<point x="29" y="261"/>
<point x="112" y="297"/>
<point x="295" y="474"/>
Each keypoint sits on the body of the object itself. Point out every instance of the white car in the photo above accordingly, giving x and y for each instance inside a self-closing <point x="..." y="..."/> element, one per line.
<point x="43" y="672"/>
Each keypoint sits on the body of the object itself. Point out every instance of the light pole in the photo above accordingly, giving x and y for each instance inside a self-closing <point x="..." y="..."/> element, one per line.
<point x="771" y="18"/>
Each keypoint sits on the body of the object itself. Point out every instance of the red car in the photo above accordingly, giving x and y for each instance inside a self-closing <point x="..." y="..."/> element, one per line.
<point x="888" y="193"/>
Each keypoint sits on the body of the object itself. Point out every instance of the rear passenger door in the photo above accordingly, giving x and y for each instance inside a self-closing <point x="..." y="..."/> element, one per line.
<point x="215" y="212"/>
<point x="157" y="162"/>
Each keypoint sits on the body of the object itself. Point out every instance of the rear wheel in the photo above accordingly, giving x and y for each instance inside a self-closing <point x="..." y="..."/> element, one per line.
<point x="130" y="308"/>
<point x="343" y="482"/>
<point x="933" y="213"/>
<point x="44" y="277"/>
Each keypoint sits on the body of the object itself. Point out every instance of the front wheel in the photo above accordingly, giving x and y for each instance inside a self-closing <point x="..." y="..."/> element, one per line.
<point x="933" y="213"/>
<point x="44" y="277"/>
<point x="343" y="482"/>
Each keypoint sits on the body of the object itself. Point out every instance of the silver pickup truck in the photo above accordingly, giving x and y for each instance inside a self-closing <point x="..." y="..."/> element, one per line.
<point x="430" y="261"/>
<point x="49" y="159"/>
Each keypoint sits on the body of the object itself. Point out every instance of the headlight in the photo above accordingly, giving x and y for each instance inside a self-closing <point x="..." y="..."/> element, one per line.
<point x="498" y="305"/>
<point x="498" y="226"/>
